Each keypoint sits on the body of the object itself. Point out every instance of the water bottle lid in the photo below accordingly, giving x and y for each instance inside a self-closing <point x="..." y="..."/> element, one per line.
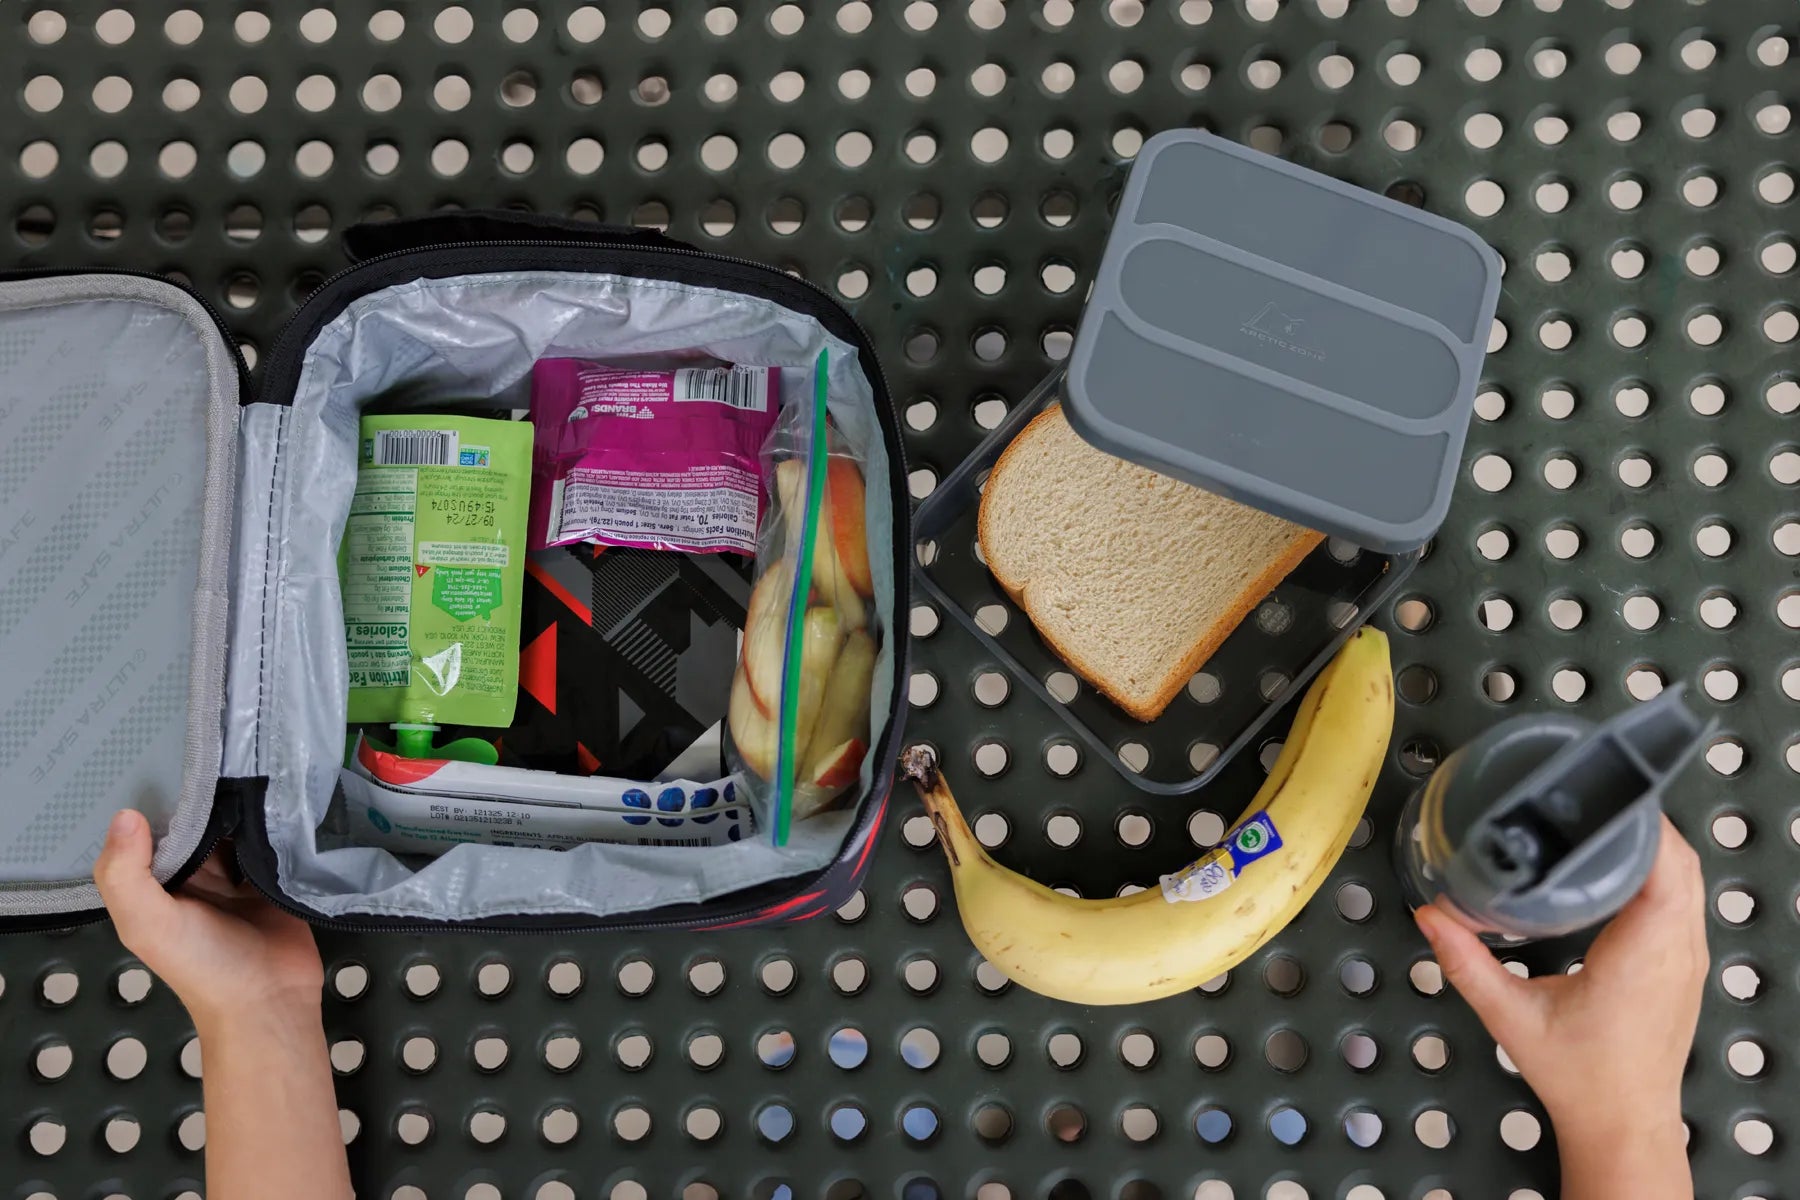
<point x="1555" y="822"/>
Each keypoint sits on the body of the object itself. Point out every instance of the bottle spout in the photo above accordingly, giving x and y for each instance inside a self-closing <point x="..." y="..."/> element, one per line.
<point x="1621" y="763"/>
<point x="1547" y="823"/>
<point x="1599" y="790"/>
<point x="1664" y="733"/>
<point x="413" y="740"/>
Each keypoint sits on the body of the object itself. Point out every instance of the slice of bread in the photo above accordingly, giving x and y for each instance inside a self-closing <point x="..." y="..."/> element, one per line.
<point x="1133" y="578"/>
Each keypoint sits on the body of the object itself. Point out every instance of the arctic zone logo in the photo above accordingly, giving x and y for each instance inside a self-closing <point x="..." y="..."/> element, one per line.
<point x="1276" y="328"/>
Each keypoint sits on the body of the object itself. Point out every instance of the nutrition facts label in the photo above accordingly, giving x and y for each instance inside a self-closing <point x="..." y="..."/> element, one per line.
<point x="378" y="574"/>
<point x="704" y="505"/>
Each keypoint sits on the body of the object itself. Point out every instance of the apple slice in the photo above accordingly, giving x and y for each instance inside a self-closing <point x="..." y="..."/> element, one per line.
<point x="840" y="768"/>
<point x="752" y="732"/>
<point x="765" y="635"/>
<point x="753" y="729"/>
<point x="834" y="584"/>
<point x="790" y="493"/>
<point x="845" y="504"/>
<point x="809" y="801"/>
<point x="821" y="640"/>
<point x="844" y="712"/>
<point x="833" y="759"/>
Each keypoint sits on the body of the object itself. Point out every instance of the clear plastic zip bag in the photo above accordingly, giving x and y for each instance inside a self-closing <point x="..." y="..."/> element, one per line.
<point x="800" y="698"/>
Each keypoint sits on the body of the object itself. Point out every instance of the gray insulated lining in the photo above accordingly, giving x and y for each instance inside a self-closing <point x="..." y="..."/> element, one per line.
<point x="440" y="344"/>
<point x="118" y="426"/>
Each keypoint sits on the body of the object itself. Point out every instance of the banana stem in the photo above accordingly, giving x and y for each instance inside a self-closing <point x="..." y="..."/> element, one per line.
<point x="919" y="764"/>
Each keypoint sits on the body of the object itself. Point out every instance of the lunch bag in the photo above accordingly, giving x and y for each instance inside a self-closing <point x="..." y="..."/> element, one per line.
<point x="171" y="630"/>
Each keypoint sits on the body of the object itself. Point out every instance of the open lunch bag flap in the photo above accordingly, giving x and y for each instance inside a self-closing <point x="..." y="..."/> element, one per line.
<point x="171" y="624"/>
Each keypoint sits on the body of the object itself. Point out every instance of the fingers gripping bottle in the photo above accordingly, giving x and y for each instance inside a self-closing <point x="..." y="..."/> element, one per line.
<point x="1546" y="824"/>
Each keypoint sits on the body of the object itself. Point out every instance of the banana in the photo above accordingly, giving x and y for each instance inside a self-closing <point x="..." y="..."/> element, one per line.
<point x="1209" y="917"/>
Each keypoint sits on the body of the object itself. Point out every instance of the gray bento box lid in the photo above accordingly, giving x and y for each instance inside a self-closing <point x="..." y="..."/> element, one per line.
<point x="1283" y="338"/>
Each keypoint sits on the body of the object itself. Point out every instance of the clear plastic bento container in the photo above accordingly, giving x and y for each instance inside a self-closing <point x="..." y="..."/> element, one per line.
<point x="1268" y="659"/>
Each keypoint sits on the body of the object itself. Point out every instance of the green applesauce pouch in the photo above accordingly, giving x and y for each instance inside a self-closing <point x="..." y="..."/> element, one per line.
<point x="432" y="564"/>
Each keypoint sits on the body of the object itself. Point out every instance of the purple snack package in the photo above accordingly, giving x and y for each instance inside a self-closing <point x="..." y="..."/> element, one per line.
<point x="659" y="460"/>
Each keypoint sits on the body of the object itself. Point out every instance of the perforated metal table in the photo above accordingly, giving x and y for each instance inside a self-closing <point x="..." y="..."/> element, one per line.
<point x="1629" y="518"/>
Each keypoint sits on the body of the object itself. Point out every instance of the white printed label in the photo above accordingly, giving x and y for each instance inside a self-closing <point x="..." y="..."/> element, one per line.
<point x="1200" y="880"/>
<point x="463" y="554"/>
<point x="554" y="527"/>
<point x="694" y="507"/>
<point x="740" y="387"/>
<point x="413" y="821"/>
<point x="1253" y="838"/>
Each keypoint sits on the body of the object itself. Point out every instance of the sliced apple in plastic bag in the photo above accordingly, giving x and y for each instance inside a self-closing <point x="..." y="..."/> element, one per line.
<point x="841" y="572"/>
<point x="833" y="758"/>
<point x="846" y="509"/>
<point x="765" y="637"/>
<point x="754" y="730"/>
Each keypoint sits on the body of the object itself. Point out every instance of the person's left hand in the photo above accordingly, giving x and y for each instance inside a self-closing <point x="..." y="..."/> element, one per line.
<point x="219" y="945"/>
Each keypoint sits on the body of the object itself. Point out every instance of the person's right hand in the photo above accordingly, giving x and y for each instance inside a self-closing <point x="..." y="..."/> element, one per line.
<point x="1604" y="1048"/>
<point x="219" y="945"/>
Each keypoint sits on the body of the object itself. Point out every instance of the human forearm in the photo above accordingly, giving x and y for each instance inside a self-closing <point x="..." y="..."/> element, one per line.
<point x="271" y="1113"/>
<point x="1644" y="1159"/>
<point x="1605" y="1047"/>
<point x="250" y="976"/>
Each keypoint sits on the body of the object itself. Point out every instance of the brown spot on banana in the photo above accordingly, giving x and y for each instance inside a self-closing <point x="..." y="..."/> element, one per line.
<point x="943" y="836"/>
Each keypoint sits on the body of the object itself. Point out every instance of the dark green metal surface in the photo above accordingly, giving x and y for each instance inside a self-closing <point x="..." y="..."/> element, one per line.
<point x="1660" y="212"/>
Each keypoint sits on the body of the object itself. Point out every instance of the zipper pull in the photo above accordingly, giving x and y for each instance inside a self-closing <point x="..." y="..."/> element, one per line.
<point x="229" y="798"/>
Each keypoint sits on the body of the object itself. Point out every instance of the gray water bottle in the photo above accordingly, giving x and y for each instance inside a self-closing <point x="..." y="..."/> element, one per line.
<point x="1546" y="824"/>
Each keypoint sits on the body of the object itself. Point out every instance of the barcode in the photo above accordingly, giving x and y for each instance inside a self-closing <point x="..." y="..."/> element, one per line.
<point x="740" y="387"/>
<point x="415" y="448"/>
